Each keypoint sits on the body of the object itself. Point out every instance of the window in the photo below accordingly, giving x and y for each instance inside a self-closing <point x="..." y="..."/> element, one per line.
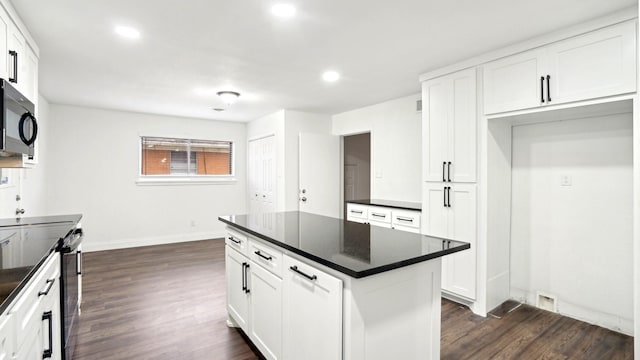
<point x="171" y="158"/>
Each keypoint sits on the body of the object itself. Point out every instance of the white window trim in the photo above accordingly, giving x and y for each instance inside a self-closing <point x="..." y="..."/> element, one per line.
<point x="169" y="180"/>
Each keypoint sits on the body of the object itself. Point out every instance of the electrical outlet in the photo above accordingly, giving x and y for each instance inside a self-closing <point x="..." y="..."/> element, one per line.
<point x="565" y="180"/>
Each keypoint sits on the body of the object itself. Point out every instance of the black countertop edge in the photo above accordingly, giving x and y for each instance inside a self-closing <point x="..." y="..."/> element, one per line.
<point x="73" y="221"/>
<point x="40" y="220"/>
<point x="403" y="205"/>
<point x="14" y="293"/>
<point x="342" y="269"/>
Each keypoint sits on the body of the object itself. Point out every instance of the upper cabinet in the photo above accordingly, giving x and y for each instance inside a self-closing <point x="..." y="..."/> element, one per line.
<point x="597" y="64"/>
<point x="19" y="64"/>
<point x="449" y="127"/>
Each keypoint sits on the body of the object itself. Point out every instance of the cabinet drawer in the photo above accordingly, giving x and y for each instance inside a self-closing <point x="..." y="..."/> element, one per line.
<point x="266" y="256"/>
<point x="357" y="211"/>
<point x="309" y="275"/>
<point x="237" y="241"/>
<point x="380" y="214"/>
<point x="406" y="218"/>
<point x="41" y="285"/>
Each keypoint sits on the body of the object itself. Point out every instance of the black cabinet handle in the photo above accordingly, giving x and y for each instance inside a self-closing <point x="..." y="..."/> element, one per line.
<point x="548" y="88"/>
<point x="444" y="195"/>
<point x="449" y="171"/>
<point x="244" y="274"/>
<point x="449" y="196"/>
<point x="379" y="215"/>
<point x="45" y="292"/>
<point x="356" y="211"/>
<point x="14" y="55"/>
<point x="295" y="269"/>
<point x="262" y="256"/>
<point x="542" y="89"/>
<point x="400" y="218"/>
<point x="444" y="164"/>
<point x="234" y="240"/>
<point x="48" y="352"/>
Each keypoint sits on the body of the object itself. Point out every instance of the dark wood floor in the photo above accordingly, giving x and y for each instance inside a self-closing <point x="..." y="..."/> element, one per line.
<point x="168" y="302"/>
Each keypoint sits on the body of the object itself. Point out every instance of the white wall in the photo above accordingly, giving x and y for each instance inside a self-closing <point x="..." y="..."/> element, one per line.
<point x="286" y="126"/>
<point x="297" y="122"/>
<point x="93" y="164"/>
<point x="396" y="140"/>
<point x="31" y="184"/>
<point x="575" y="242"/>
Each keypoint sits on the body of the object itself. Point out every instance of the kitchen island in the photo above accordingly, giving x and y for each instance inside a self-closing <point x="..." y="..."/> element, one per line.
<point x="308" y="286"/>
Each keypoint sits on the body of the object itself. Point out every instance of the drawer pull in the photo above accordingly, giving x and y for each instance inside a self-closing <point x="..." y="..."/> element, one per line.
<point x="234" y="240"/>
<point x="379" y="215"/>
<point x="356" y="211"/>
<point x="262" y="256"/>
<point x="310" y="277"/>
<point x="45" y="292"/>
<point x="404" y="219"/>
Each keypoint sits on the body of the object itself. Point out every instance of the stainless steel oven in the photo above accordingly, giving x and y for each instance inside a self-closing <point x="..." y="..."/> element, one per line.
<point x="71" y="286"/>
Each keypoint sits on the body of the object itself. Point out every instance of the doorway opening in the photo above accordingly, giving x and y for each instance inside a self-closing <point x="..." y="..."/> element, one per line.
<point x="357" y="168"/>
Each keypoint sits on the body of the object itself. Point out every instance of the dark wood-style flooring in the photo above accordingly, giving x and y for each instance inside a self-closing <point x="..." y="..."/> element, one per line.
<point x="168" y="302"/>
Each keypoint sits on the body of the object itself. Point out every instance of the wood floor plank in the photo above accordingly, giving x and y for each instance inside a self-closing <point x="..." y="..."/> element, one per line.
<point x="168" y="302"/>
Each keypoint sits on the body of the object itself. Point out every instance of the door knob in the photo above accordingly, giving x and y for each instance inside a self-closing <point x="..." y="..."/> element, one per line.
<point x="303" y="199"/>
<point x="19" y="211"/>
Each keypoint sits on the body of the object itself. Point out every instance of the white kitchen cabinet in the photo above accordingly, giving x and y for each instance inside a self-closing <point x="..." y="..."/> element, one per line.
<point x="399" y="219"/>
<point x="266" y="312"/>
<point x="312" y="316"/>
<point x="7" y="337"/>
<point x="237" y="281"/>
<point x="449" y="127"/>
<point x="16" y="56"/>
<point x="29" y="81"/>
<point x="37" y="314"/>
<point x="450" y="213"/>
<point x="5" y="23"/>
<point x="596" y="64"/>
<point x="254" y="291"/>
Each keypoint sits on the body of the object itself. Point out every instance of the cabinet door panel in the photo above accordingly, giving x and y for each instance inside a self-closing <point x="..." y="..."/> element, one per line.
<point x="600" y="63"/>
<point x="7" y="340"/>
<point x="435" y="118"/>
<point x="237" y="299"/>
<point x="266" y="312"/>
<point x="461" y="267"/>
<point x="462" y="128"/>
<point x="4" y="49"/>
<point x="312" y="327"/>
<point x="513" y="83"/>
<point x="434" y="213"/>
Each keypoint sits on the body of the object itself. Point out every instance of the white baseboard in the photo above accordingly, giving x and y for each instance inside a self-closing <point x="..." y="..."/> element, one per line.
<point x="592" y="316"/>
<point x="89" y="246"/>
<point x="498" y="290"/>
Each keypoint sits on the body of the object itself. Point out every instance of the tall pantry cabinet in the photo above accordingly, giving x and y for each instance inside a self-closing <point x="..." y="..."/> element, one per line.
<point x="449" y="118"/>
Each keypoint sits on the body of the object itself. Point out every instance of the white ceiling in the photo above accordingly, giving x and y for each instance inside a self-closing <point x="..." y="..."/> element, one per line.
<point x="379" y="48"/>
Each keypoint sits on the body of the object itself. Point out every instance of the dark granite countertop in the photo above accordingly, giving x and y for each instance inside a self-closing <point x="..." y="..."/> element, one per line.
<point x="24" y="246"/>
<point x="355" y="249"/>
<point x="405" y="205"/>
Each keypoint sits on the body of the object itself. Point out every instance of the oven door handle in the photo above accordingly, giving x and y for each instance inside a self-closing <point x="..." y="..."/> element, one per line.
<point x="79" y="262"/>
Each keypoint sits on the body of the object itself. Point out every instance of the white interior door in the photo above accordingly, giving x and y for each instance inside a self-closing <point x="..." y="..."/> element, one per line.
<point x="319" y="174"/>
<point x="262" y="175"/>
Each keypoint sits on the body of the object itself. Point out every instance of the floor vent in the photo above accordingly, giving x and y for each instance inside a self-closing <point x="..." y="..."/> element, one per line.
<point x="546" y="302"/>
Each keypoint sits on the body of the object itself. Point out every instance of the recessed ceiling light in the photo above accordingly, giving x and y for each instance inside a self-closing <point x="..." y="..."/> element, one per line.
<point x="283" y="10"/>
<point x="330" y="76"/>
<point x="127" y="31"/>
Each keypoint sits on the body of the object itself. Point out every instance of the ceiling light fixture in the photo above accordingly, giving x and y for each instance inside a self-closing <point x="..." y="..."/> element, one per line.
<point x="330" y="76"/>
<point x="283" y="10"/>
<point x="128" y="32"/>
<point x="218" y="109"/>
<point x="229" y="97"/>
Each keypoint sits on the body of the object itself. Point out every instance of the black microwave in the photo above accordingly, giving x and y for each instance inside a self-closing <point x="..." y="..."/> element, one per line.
<point x="19" y="125"/>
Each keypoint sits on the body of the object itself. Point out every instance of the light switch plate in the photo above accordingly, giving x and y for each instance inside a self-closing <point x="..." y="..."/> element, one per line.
<point x="565" y="180"/>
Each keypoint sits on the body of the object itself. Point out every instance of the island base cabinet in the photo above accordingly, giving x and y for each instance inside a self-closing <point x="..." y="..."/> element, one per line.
<point x="237" y="295"/>
<point x="312" y="313"/>
<point x="266" y="312"/>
